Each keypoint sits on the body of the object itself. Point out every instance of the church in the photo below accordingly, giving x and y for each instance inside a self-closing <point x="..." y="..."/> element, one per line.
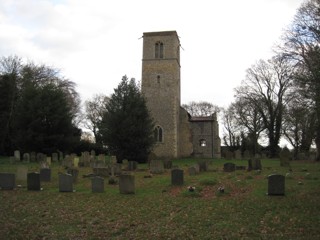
<point x="177" y="133"/>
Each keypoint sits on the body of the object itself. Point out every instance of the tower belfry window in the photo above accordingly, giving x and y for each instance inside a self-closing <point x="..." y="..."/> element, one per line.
<point x="159" y="50"/>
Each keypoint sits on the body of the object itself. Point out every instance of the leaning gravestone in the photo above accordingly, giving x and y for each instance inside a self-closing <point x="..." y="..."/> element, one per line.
<point x="33" y="181"/>
<point x="45" y="174"/>
<point x="22" y="172"/>
<point x="229" y="167"/>
<point x="7" y="181"/>
<point x="65" y="183"/>
<point x="276" y="184"/>
<point x="177" y="177"/>
<point x="126" y="184"/>
<point x="97" y="184"/>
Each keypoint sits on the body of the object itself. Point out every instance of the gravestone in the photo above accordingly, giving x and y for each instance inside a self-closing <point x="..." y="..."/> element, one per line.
<point x="33" y="156"/>
<point x="22" y="172"/>
<point x="45" y="174"/>
<point x="76" y="162"/>
<point x="114" y="169"/>
<point x="7" y="181"/>
<point x="254" y="164"/>
<point x="285" y="156"/>
<point x="85" y="158"/>
<point x="17" y="156"/>
<point x="48" y="160"/>
<point x="55" y="157"/>
<point x="97" y="184"/>
<point x="276" y="184"/>
<point x="26" y="157"/>
<point x="156" y="166"/>
<point x="192" y="171"/>
<point x="74" y="172"/>
<point x="237" y="154"/>
<point x="132" y="165"/>
<point x="167" y="164"/>
<point x="203" y="165"/>
<point x="41" y="157"/>
<point x="65" y="183"/>
<point x="33" y="181"/>
<point x="101" y="171"/>
<point x="229" y="154"/>
<point x="177" y="177"/>
<point x="229" y="167"/>
<point x="102" y="157"/>
<point x="126" y="184"/>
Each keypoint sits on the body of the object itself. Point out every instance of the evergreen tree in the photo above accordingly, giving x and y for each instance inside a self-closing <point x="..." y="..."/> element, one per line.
<point x="126" y="127"/>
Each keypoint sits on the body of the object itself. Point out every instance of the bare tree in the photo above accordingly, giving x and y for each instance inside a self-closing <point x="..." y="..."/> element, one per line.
<point x="232" y="130"/>
<point x="266" y="87"/>
<point x="302" y="48"/>
<point x="202" y="108"/>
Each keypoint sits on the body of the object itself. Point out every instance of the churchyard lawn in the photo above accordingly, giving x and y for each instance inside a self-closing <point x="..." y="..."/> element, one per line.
<point x="209" y="205"/>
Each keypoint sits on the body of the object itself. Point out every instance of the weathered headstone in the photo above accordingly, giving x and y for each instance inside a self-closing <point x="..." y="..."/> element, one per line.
<point x="45" y="174"/>
<point x="229" y="167"/>
<point x="97" y="184"/>
<point x="101" y="171"/>
<point x="48" y="160"/>
<point x="33" y="156"/>
<point x="132" y="165"/>
<point x="203" y="165"/>
<point x="7" y="181"/>
<point x="26" y="157"/>
<point x="177" y="177"/>
<point x="41" y="157"/>
<point x="192" y="171"/>
<point x="33" y="181"/>
<point x="22" y="172"/>
<point x="74" y="172"/>
<point x="126" y="184"/>
<point x="276" y="184"/>
<point x="55" y="157"/>
<point x="156" y="166"/>
<point x="237" y="154"/>
<point x="76" y="162"/>
<point x="167" y="163"/>
<point x="17" y="156"/>
<point x="254" y="164"/>
<point x="65" y="183"/>
<point x="102" y="157"/>
<point x="229" y="154"/>
<point x="285" y="156"/>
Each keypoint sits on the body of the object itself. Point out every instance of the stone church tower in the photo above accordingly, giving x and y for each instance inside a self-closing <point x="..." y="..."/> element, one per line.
<point x="161" y="88"/>
<point x="177" y="133"/>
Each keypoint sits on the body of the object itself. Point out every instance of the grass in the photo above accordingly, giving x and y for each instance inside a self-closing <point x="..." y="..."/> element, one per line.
<point x="160" y="211"/>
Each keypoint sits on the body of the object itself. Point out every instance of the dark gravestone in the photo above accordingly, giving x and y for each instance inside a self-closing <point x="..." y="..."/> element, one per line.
<point x="45" y="174"/>
<point x="156" y="166"/>
<point x="132" y="165"/>
<point x="65" y="183"/>
<point x="229" y="167"/>
<point x="101" y="171"/>
<point x="177" y="177"/>
<point x="126" y="184"/>
<point x="254" y="164"/>
<point x="276" y="184"/>
<point x="167" y="164"/>
<point x="285" y="156"/>
<point x="7" y="181"/>
<point x="33" y="181"/>
<point x="97" y="184"/>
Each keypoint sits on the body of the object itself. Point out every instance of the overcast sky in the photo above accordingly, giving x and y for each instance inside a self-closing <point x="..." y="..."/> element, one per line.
<point x="95" y="42"/>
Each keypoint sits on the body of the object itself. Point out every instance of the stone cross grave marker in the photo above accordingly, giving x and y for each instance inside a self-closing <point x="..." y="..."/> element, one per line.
<point x="33" y="181"/>
<point x="229" y="167"/>
<point x="97" y="184"/>
<point x="177" y="177"/>
<point x="126" y="184"/>
<point x="65" y="183"/>
<point x="7" y="181"/>
<point x="22" y="172"/>
<point x="45" y="174"/>
<point x="276" y="184"/>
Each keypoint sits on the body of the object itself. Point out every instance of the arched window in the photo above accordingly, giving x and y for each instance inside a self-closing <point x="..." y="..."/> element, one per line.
<point x="203" y="142"/>
<point x="158" y="135"/>
<point x="158" y="50"/>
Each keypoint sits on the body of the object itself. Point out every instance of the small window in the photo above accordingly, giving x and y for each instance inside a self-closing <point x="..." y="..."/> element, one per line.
<point x="158" y="50"/>
<point x="158" y="136"/>
<point x="203" y="143"/>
